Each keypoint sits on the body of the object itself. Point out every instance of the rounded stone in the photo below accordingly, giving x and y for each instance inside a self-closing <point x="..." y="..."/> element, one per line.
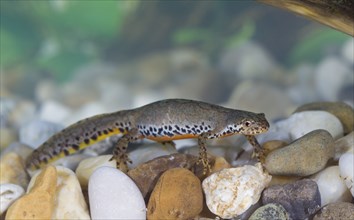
<point x="13" y="170"/>
<point x="38" y="203"/>
<point x="113" y="195"/>
<point x="269" y="212"/>
<point x="36" y="132"/>
<point x="301" y="199"/>
<point x="301" y="123"/>
<point x="331" y="186"/>
<point x="146" y="175"/>
<point x="341" y="110"/>
<point x="230" y="192"/>
<point x="87" y="166"/>
<point x="177" y="195"/>
<point x="338" y="210"/>
<point x="7" y="137"/>
<point x="69" y="200"/>
<point x="8" y="194"/>
<point x="309" y="154"/>
<point x="346" y="170"/>
<point x="344" y="145"/>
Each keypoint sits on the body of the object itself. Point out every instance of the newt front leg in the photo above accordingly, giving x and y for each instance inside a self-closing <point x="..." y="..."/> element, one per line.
<point x="119" y="152"/>
<point x="258" y="150"/>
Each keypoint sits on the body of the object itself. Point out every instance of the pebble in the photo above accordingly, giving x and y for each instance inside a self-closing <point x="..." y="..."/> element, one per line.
<point x="42" y="192"/>
<point x="69" y="200"/>
<point x="230" y="192"/>
<point x="177" y="195"/>
<point x="344" y="145"/>
<point x="13" y="170"/>
<point x="7" y="137"/>
<point x="37" y="132"/>
<point x="300" y="199"/>
<point x="87" y="166"/>
<point x="8" y="194"/>
<point x="346" y="170"/>
<point x="338" y="210"/>
<point x="22" y="150"/>
<point x="301" y="123"/>
<point x="146" y="175"/>
<point x="261" y="97"/>
<point x="55" y="112"/>
<point x="113" y="195"/>
<point x="149" y="152"/>
<point x="71" y="161"/>
<point x="85" y="111"/>
<point x="269" y="212"/>
<point x="347" y="51"/>
<point x="328" y="84"/>
<point x="331" y="186"/>
<point x="341" y="110"/>
<point x="309" y="154"/>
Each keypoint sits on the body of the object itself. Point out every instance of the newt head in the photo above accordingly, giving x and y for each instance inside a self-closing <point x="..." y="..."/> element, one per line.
<point x="253" y="124"/>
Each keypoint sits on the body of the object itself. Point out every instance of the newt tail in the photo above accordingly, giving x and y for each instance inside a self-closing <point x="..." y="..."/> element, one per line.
<point x="162" y="121"/>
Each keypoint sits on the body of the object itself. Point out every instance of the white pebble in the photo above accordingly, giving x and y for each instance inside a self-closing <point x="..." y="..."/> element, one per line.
<point x="346" y="170"/>
<point x="70" y="202"/>
<point x="8" y="194"/>
<point x="37" y="131"/>
<point x="304" y="122"/>
<point x="113" y="195"/>
<point x="88" y="166"/>
<point x="54" y="112"/>
<point x="230" y="192"/>
<point x="332" y="188"/>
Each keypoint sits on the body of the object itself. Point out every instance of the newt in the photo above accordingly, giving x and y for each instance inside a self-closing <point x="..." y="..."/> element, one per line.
<point x="162" y="121"/>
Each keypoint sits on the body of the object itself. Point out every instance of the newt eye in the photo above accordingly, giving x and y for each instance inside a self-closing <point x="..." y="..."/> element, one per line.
<point x="247" y="123"/>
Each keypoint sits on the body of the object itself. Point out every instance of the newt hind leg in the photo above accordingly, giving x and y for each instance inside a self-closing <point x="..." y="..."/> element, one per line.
<point x="203" y="155"/>
<point x="119" y="152"/>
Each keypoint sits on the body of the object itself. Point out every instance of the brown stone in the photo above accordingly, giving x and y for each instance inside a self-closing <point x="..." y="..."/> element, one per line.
<point x="146" y="175"/>
<point x="39" y="202"/>
<point x="177" y="195"/>
<point x="338" y="210"/>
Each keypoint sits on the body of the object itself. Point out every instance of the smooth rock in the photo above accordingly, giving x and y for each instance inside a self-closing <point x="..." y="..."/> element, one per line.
<point x="282" y="180"/>
<point x="177" y="195"/>
<point x="338" y="210"/>
<point x="39" y="202"/>
<point x="341" y="110"/>
<point x="7" y="137"/>
<point x="332" y="188"/>
<point x="22" y="113"/>
<point x="344" y="145"/>
<point x="261" y="97"/>
<point x="230" y="192"/>
<point x="13" y="170"/>
<point x="72" y="161"/>
<point x="270" y="211"/>
<point x="55" y="112"/>
<point x="146" y="175"/>
<point x="69" y="200"/>
<point x="331" y="75"/>
<point x="309" y="154"/>
<point x="149" y="152"/>
<point x="300" y="199"/>
<point x="113" y="195"/>
<point x="21" y="150"/>
<point x="8" y="194"/>
<point x="87" y="166"/>
<point x="36" y="132"/>
<point x="347" y="51"/>
<point x="219" y="164"/>
<point x="270" y="146"/>
<point x="301" y="123"/>
<point x="85" y="111"/>
<point x="346" y="170"/>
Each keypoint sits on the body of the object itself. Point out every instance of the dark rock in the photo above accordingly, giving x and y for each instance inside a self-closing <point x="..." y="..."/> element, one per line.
<point x="300" y="199"/>
<point x="271" y="211"/>
<point x="334" y="211"/>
